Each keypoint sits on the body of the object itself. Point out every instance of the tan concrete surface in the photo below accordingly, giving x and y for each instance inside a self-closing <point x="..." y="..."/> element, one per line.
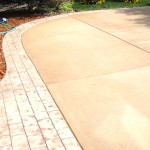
<point x="100" y="83"/>
<point x="110" y="112"/>
<point x="132" y="25"/>
<point x="67" y="49"/>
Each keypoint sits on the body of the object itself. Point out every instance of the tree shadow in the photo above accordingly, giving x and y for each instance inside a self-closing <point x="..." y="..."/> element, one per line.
<point x="143" y="12"/>
<point x="19" y="14"/>
<point x="16" y="16"/>
<point x="18" y="11"/>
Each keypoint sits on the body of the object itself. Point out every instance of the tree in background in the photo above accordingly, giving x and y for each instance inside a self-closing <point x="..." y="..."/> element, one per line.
<point x="32" y="4"/>
<point x="45" y="3"/>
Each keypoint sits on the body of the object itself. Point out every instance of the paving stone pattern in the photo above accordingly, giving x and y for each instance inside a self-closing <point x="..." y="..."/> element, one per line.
<point x="29" y="118"/>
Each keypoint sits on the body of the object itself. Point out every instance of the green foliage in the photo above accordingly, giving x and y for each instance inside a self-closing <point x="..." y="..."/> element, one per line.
<point x="88" y="2"/>
<point x="48" y="4"/>
<point x="55" y="4"/>
<point x="100" y="1"/>
<point x="130" y="1"/>
<point x="78" y="6"/>
<point x="66" y="7"/>
<point x="31" y="4"/>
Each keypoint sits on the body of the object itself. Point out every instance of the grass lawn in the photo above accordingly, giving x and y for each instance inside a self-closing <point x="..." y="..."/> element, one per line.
<point x="109" y="4"/>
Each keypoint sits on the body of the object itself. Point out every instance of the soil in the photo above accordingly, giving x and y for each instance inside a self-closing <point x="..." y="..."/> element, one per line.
<point x="15" y="19"/>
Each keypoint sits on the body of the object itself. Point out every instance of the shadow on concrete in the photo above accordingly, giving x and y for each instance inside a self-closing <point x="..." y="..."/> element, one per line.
<point x="144" y="13"/>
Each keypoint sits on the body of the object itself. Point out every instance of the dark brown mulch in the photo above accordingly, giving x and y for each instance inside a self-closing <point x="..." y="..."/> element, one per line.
<point x="15" y="19"/>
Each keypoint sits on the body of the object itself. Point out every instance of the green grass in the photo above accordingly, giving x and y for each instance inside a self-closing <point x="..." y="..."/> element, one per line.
<point x="109" y="4"/>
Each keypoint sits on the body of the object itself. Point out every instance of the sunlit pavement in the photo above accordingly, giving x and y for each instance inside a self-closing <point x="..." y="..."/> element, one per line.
<point x="96" y="67"/>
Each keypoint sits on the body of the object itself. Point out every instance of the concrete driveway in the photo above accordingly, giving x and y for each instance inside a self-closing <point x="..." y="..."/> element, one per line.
<point x="96" y="66"/>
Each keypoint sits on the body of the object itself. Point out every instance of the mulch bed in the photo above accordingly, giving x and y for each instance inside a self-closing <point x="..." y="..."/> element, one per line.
<point x="15" y="19"/>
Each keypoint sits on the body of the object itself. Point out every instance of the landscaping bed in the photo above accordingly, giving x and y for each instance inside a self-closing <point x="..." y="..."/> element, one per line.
<point x="15" y="19"/>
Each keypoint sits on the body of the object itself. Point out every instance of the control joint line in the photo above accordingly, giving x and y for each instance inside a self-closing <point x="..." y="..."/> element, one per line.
<point x="112" y="35"/>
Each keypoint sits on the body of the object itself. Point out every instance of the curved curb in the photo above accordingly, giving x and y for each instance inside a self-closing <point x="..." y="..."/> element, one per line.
<point x="28" y="110"/>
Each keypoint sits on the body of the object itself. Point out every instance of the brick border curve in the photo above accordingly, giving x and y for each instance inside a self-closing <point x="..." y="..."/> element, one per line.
<point x="30" y="118"/>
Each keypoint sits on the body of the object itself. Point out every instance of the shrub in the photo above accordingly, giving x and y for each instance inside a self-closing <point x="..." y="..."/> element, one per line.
<point x="55" y="3"/>
<point x="51" y="4"/>
<point x="130" y="1"/>
<point x="92" y="1"/>
<point x="66" y="6"/>
<point x="100" y="1"/>
<point x="31" y="4"/>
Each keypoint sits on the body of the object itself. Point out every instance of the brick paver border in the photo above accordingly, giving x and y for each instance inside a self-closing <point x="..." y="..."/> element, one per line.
<point x="29" y="117"/>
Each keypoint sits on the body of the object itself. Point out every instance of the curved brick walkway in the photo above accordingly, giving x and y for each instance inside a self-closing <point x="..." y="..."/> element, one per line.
<point x="29" y="118"/>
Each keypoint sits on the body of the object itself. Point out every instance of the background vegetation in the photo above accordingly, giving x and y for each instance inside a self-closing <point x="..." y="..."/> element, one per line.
<point x="71" y="5"/>
<point x="79" y="6"/>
